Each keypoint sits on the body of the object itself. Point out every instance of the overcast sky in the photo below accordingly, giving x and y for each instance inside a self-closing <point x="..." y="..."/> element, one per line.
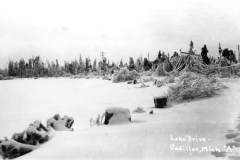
<point x="65" y="29"/>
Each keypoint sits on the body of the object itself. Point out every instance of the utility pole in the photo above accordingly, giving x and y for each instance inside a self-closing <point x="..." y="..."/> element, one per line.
<point x="238" y="54"/>
<point x="148" y="56"/>
<point x="102" y="55"/>
<point x="103" y="62"/>
<point x="220" y="54"/>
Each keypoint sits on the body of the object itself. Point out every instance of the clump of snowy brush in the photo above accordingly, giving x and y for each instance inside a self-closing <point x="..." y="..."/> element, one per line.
<point x="170" y="79"/>
<point x="146" y="73"/>
<point x="192" y="85"/>
<point x="124" y="75"/>
<point x="139" y="110"/>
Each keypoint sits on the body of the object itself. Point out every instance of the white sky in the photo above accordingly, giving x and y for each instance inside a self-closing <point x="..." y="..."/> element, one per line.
<point x="64" y="29"/>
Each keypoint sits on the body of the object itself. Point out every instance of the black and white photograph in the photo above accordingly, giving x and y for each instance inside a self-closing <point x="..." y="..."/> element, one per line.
<point x="120" y="79"/>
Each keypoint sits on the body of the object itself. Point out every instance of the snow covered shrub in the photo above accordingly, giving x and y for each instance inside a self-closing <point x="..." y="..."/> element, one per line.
<point x="159" y="71"/>
<point x="155" y="74"/>
<point x="78" y="76"/>
<point x="174" y="61"/>
<point x="165" y="81"/>
<point x="144" y="79"/>
<point x="124" y="75"/>
<point x="170" y="79"/>
<point x="134" y="74"/>
<point x="192" y="85"/>
<point x="146" y="73"/>
<point x="66" y="74"/>
<point x="168" y="66"/>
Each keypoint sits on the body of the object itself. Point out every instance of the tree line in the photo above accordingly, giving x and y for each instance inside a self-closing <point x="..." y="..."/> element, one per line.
<point x="35" y="67"/>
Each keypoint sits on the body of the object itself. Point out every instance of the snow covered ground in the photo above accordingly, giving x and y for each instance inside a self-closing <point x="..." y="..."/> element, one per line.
<point x="203" y="123"/>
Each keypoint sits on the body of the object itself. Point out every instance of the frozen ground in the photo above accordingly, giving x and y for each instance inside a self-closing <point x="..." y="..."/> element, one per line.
<point x="147" y="137"/>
